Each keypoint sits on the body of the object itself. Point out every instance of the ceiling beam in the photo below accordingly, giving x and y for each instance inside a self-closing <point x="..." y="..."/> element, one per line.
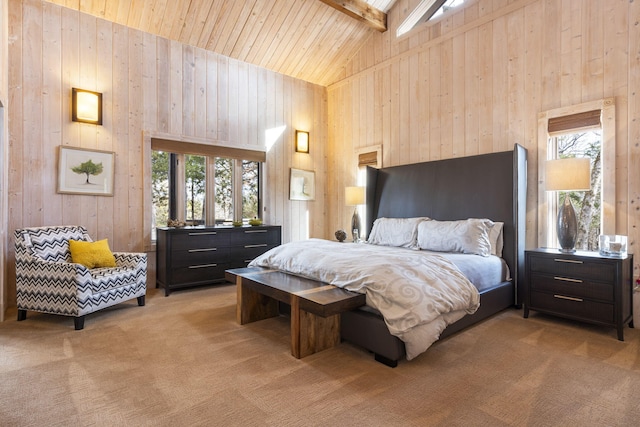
<point x="361" y="11"/>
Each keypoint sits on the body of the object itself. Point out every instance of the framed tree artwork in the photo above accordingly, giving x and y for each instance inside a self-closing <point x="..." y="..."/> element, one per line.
<point x="85" y="171"/>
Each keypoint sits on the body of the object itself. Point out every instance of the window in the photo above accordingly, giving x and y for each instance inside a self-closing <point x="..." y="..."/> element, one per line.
<point x="584" y="130"/>
<point x="195" y="178"/>
<point x="426" y="10"/>
<point x="250" y="189"/>
<point x="587" y="204"/>
<point x="367" y="156"/>
<point x="203" y="184"/>
<point x="224" y="189"/>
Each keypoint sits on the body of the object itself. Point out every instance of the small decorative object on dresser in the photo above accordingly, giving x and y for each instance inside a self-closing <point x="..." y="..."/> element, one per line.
<point x="612" y="245"/>
<point x="341" y="235"/>
<point x="585" y="286"/>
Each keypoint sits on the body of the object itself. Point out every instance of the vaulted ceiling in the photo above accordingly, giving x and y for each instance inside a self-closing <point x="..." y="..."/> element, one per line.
<point x="305" y="39"/>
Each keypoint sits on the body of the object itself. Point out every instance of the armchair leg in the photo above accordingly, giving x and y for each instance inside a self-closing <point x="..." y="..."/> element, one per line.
<point x="141" y="301"/>
<point x="78" y="322"/>
<point x="22" y="315"/>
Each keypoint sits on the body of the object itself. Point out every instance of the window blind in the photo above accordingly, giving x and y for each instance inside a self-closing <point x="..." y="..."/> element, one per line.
<point x="368" y="159"/>
<point x="578" y="121"/>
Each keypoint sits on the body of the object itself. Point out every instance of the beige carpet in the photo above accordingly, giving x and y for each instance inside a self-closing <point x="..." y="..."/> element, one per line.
<point x="183" y="361"/>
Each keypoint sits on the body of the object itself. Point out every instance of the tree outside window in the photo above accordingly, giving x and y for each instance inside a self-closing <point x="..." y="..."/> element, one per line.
<point x="165" y="184"/>
<point x="195" y="181"/>
<point x="250" y="189"/>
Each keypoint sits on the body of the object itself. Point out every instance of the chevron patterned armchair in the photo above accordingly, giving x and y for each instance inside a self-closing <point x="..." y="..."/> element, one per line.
<point x="49" y="282"/>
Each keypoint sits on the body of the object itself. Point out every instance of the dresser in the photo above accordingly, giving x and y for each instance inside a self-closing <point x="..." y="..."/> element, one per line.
<point x="193" y="256"/>
<point x="584" y="286"/>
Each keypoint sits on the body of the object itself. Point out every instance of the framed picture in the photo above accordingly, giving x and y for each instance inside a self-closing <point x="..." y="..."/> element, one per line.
<point x="83" y="171"/>
<point x="302" y="185"/>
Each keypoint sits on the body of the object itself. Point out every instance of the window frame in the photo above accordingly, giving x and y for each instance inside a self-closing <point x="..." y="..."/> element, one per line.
<point x="153" y="141"/>
<point x="545" y="203"/>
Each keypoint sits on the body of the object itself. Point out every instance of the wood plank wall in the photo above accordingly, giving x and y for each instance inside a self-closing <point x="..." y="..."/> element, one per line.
<point x="475" y="81"/>
<point x="149" y="83"/>
<point x="4" y="150"/>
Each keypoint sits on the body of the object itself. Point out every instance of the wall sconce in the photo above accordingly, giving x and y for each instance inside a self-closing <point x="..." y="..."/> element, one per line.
<point x="570" y="174"/>
<point x="302" y="141"/>
<point x="86" y="106"/>
<point x="354" y="196"/>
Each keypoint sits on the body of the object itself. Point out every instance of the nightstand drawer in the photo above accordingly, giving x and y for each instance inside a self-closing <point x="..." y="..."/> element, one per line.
<point x="573" y="287"/>
<point x="567" y="306"/>
<point x="573" y="268"/>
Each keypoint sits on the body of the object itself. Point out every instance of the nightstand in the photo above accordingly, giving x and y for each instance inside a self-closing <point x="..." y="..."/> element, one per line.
<point x="582" y="285"/>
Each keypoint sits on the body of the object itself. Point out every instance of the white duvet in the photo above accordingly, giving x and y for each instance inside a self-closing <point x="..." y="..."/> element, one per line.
<point x="417" y="293"/>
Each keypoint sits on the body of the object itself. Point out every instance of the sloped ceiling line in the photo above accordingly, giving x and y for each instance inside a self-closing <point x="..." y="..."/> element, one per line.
<point x="284" y="36"/>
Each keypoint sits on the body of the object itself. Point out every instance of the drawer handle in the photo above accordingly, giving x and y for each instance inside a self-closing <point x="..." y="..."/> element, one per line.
<point x="203" y="233"/>
<point x="203" y="266"/>
<point x="570" y="261"/>
<point x="566" y="279"/>
<point x="568" y="298"/>
<point x="203" y="250"/>
<point x="247" y="261"/>
<point x="262" y="245"/>
<point x="255" y="231"/>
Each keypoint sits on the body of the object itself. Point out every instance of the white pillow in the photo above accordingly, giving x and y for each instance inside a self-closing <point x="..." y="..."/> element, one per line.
<point x="401" y="232"/>
<point x="496" y="239"/>
<point x="469" y="236"/>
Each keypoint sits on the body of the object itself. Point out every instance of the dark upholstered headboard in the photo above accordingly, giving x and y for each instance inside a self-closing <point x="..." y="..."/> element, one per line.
<point x="490" y="186"/>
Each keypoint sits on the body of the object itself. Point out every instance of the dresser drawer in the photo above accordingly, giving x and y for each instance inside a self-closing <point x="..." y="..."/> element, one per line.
<point x="567" y="267"/>
<point x="572" y="287"/>
<point x="246" y="254"/>
<point x="199" y="239"/>
<point x="193" y="257"/>
<point x="567" y="306"/>
<point x="256" y="237"/>
<point x="203" y="273"/>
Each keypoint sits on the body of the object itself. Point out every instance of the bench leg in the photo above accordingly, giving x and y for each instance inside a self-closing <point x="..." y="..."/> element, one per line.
<point x="311" y="333"/>
<point x="253" y="306"/>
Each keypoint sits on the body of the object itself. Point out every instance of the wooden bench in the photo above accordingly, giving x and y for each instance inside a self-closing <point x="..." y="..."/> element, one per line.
<point x="315" y="306"/>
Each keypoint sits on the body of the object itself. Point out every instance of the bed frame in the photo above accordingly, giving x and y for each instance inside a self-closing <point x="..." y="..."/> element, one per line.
<point x="490" y="186"/>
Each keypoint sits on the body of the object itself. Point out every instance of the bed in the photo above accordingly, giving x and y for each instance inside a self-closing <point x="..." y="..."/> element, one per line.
<point x="489" y="186"/>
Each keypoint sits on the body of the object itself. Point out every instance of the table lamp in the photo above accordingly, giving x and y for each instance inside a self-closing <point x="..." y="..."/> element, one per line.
<point x="570" y="174"/>
<point x="354" y="196"/>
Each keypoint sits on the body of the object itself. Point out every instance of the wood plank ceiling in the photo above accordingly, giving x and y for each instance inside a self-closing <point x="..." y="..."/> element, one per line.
<point x="305" y="39"/>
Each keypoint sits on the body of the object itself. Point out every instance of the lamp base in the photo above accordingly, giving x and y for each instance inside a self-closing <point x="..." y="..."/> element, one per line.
<point x="355" y="226"/>
<point x="567" y="226"/>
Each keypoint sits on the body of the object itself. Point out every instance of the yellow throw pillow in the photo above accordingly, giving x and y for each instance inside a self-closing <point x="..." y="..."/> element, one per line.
<point x="92" y="254"/>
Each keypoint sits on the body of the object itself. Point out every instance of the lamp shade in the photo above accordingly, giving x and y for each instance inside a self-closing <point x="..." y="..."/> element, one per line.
<point x="354" y="196"/>
<point x="571" y="174"/>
